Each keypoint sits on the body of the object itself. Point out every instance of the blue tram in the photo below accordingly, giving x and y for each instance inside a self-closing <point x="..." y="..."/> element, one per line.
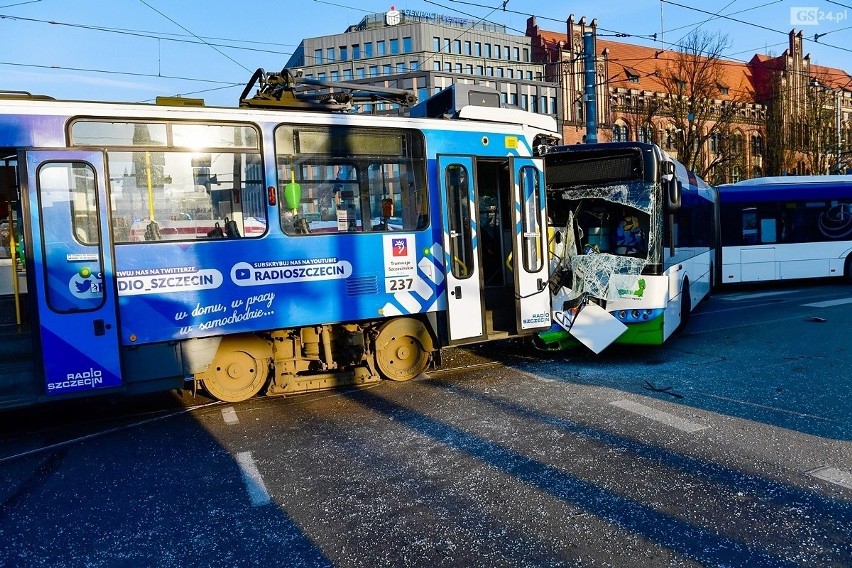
<point x="260" y="250"/>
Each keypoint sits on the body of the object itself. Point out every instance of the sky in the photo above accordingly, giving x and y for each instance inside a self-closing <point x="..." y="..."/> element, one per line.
<point x="136" y="50"/>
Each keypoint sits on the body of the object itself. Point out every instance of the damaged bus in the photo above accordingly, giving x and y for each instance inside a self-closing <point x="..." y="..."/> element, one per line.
<point x="633" y="240"/>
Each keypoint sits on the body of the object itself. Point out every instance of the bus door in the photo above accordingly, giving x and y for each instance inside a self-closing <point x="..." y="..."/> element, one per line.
<point x="69" y="248"/>
<point x="461" y="261"/>
<point x="530" y="262"/>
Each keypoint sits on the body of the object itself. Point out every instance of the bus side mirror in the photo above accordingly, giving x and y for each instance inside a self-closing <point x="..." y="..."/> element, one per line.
<point x="673" y="188"/>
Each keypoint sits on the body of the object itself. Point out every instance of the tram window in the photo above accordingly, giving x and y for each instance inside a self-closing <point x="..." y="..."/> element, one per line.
<point x="186" y="196"/>
<point x="532" y="237"/>
<point x="458" y="212"/>
<point x="178" y="180"/>
<point x="68" y="202"/>
<point x="353" y="180"/>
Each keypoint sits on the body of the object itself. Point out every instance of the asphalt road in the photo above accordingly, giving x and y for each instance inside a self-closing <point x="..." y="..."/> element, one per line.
<point x="729" y="446"/>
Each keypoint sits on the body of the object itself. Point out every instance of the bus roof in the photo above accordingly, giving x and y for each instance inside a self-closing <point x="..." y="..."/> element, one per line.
<point x="787" y="188"/>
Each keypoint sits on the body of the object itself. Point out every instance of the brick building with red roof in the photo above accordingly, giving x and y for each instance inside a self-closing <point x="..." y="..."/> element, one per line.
<point x="749" y="105"/>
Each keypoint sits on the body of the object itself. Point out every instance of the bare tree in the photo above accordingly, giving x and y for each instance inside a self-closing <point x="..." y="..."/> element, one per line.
<point x="693" y="80"/>
<point x="820" y="144"/>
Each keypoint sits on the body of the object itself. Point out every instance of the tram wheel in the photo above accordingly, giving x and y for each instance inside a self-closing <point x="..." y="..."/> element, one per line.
<point x="402" y="349"/>
<point x="238" y="371"/>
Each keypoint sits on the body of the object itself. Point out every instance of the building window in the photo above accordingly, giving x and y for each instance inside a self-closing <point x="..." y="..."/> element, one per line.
<point x="359" y="73"/>
<point x="477" y="49"/>
<point x="344" y="53"/>
<point x="356" y="51"/>
<point x="380" y="47"/>
<point x="510" y="73"/>
<point x="757" y="145"/>
<point x="508" y="53"/>
<point x="347" y="74"/>
<point x="436" y="44"/>
<point x="526" y="55"/>
<point x="457" y="46"/>
<point x="335" y="76"/>
<point x="496" y="51"/>
<point x="489" y="71"/>
<point x="436" y="66"/>
<point x="329" y="54"/>
<point x="480" y="69"/>
<point x="500" y="72"/>
<point x="448" y="67"/>
<point x="374" y="70"/>
<point x="513" y="99"/>
<point x="517" y="52"/>
<point x="317" y="57"/>
<point x="400" y="67"/>
<point x="467" y="48"/>
<point x="446" y="48"/>
<point x="368" y="49"/>
<point x="524" y="102"/>
<point x="414" y="65"/>
<point x="407" y="46"/>
<point x="387" y="69"/>
<point x="488" y="50"/>
<point x="394" y="46"/>
<point x="458" y="68"/>
<point x="468" y="69"/>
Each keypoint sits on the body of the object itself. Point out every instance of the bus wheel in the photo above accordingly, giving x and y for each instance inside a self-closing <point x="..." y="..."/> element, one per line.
<point x="239" y="370"/>
<point x="402" y="349"/>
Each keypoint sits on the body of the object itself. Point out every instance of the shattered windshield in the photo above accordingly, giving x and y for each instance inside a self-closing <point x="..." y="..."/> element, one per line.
<point x="600" y="231"/>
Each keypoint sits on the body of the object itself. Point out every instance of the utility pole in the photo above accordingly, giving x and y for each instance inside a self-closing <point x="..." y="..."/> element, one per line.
<point x="591" y="103"/>
<point x="837" y="123"/>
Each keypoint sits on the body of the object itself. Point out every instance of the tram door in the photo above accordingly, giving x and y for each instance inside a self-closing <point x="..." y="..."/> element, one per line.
<point x="464" y="296"/>
<point x="69" y="248"/>
<point x="530" y="248"/>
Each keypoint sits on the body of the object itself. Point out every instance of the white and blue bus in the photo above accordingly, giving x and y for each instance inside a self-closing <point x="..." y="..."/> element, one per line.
<point x="254" y="250"/>
<point x="786" y="227"/>
<point x="633" y="243"/>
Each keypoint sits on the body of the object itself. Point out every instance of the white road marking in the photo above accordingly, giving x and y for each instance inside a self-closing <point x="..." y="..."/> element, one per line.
<point x="751" y="296"/>
<point x="829" y="303"/>
<point x="229" y="415"/>
<point x="659" y="416"/>
<point x="833" y="475"/>
<point x="254" y="482"/>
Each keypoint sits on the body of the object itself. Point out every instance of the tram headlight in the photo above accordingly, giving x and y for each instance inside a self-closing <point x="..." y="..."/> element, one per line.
<point x="622" y="315"/>
<point x="635" y="314"/>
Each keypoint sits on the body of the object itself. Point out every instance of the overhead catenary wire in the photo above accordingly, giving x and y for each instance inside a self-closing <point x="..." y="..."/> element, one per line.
<point x="215" y="42"/>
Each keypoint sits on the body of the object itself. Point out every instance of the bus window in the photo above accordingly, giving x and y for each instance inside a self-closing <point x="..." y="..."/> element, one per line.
<point x="750" y="236"/>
